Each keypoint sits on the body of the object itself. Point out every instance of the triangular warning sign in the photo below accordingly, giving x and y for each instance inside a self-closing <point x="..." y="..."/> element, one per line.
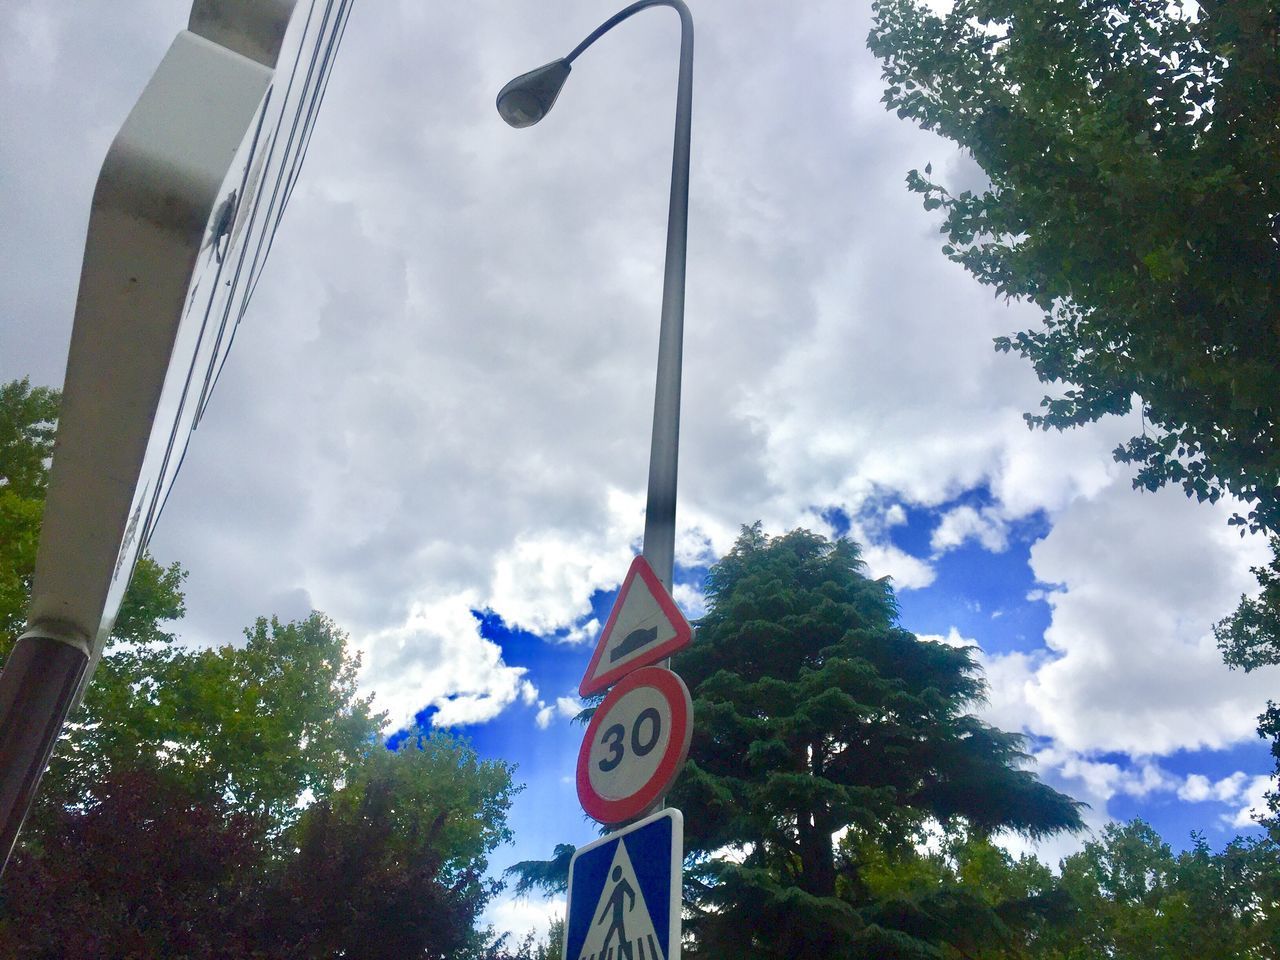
<point x="621" y="927"/>
<point x="645" y="626"/>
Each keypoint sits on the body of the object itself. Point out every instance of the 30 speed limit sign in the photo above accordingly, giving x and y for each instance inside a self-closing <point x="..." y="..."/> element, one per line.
<point x="635" y="745"/>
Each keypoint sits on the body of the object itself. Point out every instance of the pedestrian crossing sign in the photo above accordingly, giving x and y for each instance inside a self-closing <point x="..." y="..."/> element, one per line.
<point x="624" y="893"/>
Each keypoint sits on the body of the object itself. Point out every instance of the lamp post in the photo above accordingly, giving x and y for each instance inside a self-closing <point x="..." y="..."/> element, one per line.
<point x="526" y="100"/>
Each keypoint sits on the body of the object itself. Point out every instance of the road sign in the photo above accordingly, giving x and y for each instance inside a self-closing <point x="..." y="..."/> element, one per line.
<point x="635" y="745"/>
<point x="645" y="626"/>
<point x="624" y="893"/>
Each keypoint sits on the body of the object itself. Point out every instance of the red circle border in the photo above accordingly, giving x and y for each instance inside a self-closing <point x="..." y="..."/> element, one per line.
<point x="676" y="694"/>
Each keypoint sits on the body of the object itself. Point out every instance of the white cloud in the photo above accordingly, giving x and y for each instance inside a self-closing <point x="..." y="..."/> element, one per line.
<point x="566" y="708"/>
<point x="1130" y="663"/>
<point x="1246" y="794"/>
<point x="965" y="523"/>
<point x="951" y="639"/>
<point x="691" y="601"/>
<point x="908" y="572"/>
<point x="438" y="658"/>
<point x="1196" y="788"/>
<point x="1254" y="801"/>
<point x="586" y="632"/>
<point x="543" y="583"/>
<point x="544" y="716"/>
<point x="519" y="916"/>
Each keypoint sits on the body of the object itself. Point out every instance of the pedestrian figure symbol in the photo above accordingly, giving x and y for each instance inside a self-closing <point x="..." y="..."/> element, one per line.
<point x="618" y="923"/>
<point x="621" y="927"/>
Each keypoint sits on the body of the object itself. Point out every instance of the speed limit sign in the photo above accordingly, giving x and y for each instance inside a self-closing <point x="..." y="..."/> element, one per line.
<point x="635" y="745"/>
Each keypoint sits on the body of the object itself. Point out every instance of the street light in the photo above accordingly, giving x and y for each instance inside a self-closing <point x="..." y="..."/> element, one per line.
<point x="526" y="100"/>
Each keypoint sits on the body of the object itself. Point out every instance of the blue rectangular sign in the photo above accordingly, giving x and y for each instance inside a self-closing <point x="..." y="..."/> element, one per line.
<point x="624" y="893"/>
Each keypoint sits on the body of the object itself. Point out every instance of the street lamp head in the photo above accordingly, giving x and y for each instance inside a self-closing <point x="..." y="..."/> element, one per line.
<point x="529" y="97"/>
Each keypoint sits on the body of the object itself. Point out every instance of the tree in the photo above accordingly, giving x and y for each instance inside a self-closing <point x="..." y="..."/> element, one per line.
<point x="146" y="868"/>
<point x="548" y="876"/>
<point x="817" y="716"/>
<point x="259" y="724"/>
<point x="27" y="417"/>
<point x="987" y="904"/>
<point x="392" y="865"/>
<point x="1132" y="151"/>
<point x="1136" y="899"/>
<point x="529" y="947"/>
<point x="270" y="721"/>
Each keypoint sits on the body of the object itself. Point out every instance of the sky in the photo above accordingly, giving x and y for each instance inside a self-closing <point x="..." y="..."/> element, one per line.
<point x="434" y="422"/>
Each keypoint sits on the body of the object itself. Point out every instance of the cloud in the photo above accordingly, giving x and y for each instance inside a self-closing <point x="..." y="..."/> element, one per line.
<point x="586" y="632"/>
<point x="1246" y="794"/>
<point x="964" y="523"/>
<point x="441" y="396"/>
<point x="544" y="582"/>
<point x="519" y="916"/>
<point x="691" y="601"/>
<point x="437" y="658"/>
<point x="1198" y="788"/>
<point x="907" y="572"/>
<point x="565" y="708"/>
<point x="1133" y="663"/>
<point x="1254" y="800"/>
<point x="1103" y="780"/>
<point x="951" y="639"/>
<point x="1130" y="663"/>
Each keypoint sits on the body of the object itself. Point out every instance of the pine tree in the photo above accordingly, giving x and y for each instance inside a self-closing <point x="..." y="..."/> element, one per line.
<point x="818" y="718"/>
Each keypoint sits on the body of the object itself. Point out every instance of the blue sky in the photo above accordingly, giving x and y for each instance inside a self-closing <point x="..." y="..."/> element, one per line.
<point x="439" y="400"/>
<point x="990" y="596"/>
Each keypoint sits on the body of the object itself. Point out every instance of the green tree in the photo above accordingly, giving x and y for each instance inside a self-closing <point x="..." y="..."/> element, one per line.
<point x="260" y="724"/>
<point x="139" y="643"/>
<point x="1132" y="151"/>
<point x="393" y="864"/>
<point x="1135" y="899"/>
<point x="817" y="716"/>
<point x="27" y="418"/>
<point x="547" y="876"/>
<point x="988" y="905"/>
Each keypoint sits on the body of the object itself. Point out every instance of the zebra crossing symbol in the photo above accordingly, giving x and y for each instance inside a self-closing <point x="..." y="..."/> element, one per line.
<point x="624" y="893"/>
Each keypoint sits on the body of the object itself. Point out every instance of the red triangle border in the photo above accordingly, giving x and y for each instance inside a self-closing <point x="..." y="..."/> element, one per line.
<point x="591" y="683"/>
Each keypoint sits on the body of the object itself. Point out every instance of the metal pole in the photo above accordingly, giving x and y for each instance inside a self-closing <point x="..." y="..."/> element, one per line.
<point x="37" y="687"/>
<point x="660" y="506"/>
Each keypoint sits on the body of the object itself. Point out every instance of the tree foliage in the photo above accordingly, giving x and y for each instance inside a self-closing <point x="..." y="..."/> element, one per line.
<point x="403" y="849"/>
<point x="1135" y="899"/>
<point x="145" y="869"/>
<point x="27" y="418"/>
<point x="817" y="716"/>
<point x="1126" y="896"/>
<point x="1132" y="152"/>
<point x="390" y="866"/>
<point x="236" y="801"/>
<point x="545" y="876"/>
<point x="259" y="724"/>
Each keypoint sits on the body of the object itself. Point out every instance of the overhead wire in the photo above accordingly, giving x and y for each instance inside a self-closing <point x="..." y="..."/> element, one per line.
<point x="328" y="37"/>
